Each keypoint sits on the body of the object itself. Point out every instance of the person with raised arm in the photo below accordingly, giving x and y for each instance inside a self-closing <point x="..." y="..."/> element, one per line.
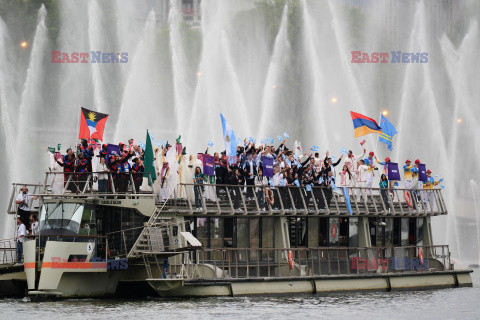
<point x="351" y="160"/>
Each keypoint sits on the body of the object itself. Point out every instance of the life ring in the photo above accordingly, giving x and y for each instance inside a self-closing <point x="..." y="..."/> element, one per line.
<point x="408" y="198"/>
<point x="334" y="231"/>
<point x="290" y="259"/>
<point x="420" y="255"/>
<point x="269" y="196"/>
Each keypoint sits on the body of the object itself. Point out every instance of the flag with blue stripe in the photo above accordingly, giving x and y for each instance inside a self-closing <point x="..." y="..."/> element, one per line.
<point x="229" y="138"/>
<point x="388" y="131"/>
<point x="347" y="200"/>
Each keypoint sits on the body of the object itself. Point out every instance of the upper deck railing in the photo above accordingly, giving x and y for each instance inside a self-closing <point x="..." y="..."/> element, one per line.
<point x="214" y="199"/>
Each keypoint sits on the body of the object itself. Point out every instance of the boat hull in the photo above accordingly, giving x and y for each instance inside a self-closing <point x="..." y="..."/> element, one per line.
<point x="314" y="285"/>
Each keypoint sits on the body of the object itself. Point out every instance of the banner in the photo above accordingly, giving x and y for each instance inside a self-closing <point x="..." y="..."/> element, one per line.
<point x="267" y="166"/>
<point x="393" y="172"/>
<point x="111" y="149"/>
<point x="208" y="165"/>
<point x="422" y="172"/>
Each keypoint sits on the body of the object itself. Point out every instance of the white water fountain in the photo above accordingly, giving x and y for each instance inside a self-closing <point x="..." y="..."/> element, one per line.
<point x="248" y="65"/>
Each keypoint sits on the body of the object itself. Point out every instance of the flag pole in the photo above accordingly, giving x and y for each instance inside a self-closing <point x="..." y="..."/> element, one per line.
<point x="376" y="144"/>
<point x="78" y="130"/>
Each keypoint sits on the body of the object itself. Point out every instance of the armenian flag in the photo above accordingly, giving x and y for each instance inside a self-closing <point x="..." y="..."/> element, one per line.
<point x="364" y="125"/>
<point x="92" y="124"/>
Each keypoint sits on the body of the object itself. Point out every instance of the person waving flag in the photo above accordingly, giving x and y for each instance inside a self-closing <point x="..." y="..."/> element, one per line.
<point x="364" y="125"/>
<point x="388" y="131"/>
<point x="92" y="124"/>
<point x="230" y="140"/>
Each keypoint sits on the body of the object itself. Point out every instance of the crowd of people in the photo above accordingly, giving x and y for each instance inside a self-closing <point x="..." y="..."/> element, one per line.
<point x="291" y="167"/>
<point x="93" y="158"/>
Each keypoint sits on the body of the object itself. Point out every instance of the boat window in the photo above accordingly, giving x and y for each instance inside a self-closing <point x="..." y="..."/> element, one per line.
<point x="243" y="236"/>
<point x="420" y="231"/>
<point x="88" y="226"/>
<point x="202" y="231"/>
<point x="404" y="232"/>
<point x="254" y="237"/>
<point x="313" y="232"/>
<point x="353" y="232"/>
<point x="61" y="216"/>
<point x="216" y="227"/>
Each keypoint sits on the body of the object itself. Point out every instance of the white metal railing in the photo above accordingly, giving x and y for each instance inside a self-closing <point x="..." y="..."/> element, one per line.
<point x="292" y="200"/>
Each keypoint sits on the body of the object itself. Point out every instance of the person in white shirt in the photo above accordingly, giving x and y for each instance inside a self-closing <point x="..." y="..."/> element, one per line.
<point x="102" y="176"/>
<point x="21" y="232"/>
<point x="352" y="159"/>
<point x="33" y="225"/>
<point x="24" y="201"/>
<point x="260" y="181"/>
<point x="361" y="178"/>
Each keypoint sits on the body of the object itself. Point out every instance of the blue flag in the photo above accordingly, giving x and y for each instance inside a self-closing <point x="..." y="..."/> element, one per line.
<point x="229" y="138"/>
<point x="347" y="200"/>
<point x="388" y="131"/>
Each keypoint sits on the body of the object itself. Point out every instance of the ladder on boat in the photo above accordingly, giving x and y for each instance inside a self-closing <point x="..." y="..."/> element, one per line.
<point x="155" y="237"/>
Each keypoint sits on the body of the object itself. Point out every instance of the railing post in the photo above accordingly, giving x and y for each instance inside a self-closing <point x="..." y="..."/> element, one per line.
<point x="189" y="201"/>
<point x="399" y="202"/>
<point x="335" y="198"/>
<point x="230" y="199"/>
<point x="243" y="199"/>
<point x="305" y="207"/>
<point x="314" y="201"/>
<point x="256" y="200"/>
<point x="291" y="200"/>
<point x="280" y="200"/>
<point x="351" y="191"/>
<point x="132" y="182"/>
<point x="216" y="199"/>
<point x="373" y="200"/>
<point x="112" y="182"/>
<point x="327" y="207"/>
<point x="86" y="183"/>
<point x="66" y="185"/>
<point x="202" y="198"/>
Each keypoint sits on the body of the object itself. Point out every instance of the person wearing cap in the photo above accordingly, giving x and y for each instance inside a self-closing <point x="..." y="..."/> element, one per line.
<point x="407" y="174"/>
<point x="415" y="168"/>
<point x="427" y="194"/>
<point x="384" y="164"/>
<point x="370" y="172"/>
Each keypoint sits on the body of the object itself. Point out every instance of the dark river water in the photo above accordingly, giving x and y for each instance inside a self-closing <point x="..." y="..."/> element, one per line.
<point x="457" y="303"/>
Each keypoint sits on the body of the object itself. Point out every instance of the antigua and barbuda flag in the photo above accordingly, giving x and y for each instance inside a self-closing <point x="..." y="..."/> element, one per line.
<point x="92" y="124"/>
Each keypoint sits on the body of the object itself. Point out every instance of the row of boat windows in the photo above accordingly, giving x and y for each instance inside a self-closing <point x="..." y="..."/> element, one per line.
<point x="305" y="232"/>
